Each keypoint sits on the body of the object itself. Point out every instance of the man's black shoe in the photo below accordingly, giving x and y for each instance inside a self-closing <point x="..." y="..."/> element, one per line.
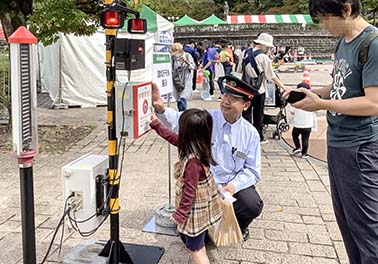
<point x="245" y="233"/>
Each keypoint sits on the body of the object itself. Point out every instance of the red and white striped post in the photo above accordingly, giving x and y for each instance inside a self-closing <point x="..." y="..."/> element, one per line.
<point x="24" y="129"/>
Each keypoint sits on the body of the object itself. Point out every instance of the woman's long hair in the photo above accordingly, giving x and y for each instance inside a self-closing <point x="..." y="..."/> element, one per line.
<point x="195" y="130"/>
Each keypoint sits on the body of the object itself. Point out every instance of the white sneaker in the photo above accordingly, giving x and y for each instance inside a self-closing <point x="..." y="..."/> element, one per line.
<point x="264" y="141"/>
<point x="296" y="152"/>
<point x="305" y="156"/>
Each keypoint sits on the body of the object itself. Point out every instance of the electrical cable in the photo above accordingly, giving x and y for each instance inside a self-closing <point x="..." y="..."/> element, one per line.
<point x="61" y="237"/>
<point x="57" y="229"/>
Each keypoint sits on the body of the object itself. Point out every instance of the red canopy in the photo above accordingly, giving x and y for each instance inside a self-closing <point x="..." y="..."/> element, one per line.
<point x="1" y="32"/>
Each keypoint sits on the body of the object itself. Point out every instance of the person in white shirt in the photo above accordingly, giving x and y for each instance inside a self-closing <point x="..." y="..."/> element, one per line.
<point x="235" y="147"/>
<point x="303" y="122"/>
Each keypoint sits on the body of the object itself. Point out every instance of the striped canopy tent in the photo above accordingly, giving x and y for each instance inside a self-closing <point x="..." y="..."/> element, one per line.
<point x="186" y="21"/>
<point x="270" y="19"/>
<point x="212" y="20"/>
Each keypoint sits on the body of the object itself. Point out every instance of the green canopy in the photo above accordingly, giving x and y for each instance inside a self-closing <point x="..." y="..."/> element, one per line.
<point x="212" y="20"/>
<point x="186" y="21"/>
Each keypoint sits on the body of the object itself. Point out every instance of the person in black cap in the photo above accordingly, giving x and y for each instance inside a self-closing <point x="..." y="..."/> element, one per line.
<point x="235" y="147"/>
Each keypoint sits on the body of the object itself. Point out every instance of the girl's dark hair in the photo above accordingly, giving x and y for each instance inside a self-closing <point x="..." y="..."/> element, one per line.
<point x="195" y="130"/>
<point x="333" y="7"/>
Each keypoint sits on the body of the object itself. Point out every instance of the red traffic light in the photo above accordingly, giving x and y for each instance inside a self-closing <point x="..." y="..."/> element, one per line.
<point x="137" y="26"/>
<point x="112" y="19"/>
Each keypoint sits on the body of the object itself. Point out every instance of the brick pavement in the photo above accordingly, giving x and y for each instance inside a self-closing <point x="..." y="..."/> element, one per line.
<point x="297" y="224"/>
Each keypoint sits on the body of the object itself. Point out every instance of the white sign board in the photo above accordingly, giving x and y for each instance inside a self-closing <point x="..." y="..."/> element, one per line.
<point x="163" y="37"/>
<point x="162" y="72"/>
<point x="142" y="99"/>
<point x="133" y="109"/>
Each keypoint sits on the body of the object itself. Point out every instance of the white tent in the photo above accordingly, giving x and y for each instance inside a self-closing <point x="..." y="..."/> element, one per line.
<point x="73" y="69"/>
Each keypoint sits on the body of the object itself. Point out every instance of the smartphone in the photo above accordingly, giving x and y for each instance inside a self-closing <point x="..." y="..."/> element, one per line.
<point x="295" y="96"/>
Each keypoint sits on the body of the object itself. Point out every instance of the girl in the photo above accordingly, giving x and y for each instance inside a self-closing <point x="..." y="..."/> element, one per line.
<point x="303" y="122"/>
<point x="197" y="200"/>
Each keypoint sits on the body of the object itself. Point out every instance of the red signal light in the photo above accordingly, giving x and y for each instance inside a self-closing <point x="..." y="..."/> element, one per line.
<point x="137" y="26"/>
<point x="112" y="19"/>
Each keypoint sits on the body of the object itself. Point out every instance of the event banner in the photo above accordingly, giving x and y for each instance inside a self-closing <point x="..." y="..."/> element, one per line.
<point x="165" y="38"/>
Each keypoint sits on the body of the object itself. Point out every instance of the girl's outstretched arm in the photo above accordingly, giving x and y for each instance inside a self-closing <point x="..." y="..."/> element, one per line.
<point x="164" y="132"/>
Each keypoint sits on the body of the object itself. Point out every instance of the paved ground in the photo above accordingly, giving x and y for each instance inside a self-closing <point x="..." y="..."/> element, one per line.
<point x="297" y="224"/>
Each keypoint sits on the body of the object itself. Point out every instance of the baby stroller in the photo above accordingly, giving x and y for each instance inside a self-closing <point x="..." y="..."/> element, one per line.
<point x="274" y="102"/>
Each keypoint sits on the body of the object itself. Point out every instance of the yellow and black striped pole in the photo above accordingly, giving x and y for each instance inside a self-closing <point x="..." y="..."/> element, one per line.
<point x="114" y="249"/>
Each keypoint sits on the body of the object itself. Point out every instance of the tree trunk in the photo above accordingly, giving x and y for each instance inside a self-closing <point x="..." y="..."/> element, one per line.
<point x="11" y="22"/>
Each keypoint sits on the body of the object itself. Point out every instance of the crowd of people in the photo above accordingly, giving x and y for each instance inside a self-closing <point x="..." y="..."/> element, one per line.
<point x="220" y="149"/>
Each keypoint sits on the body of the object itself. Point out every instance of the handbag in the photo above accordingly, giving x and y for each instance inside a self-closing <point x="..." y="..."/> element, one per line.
<point x="227" y="231"/>
<point x="219" y="70"/>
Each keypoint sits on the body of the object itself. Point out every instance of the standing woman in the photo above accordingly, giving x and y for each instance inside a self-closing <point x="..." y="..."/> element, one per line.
<point x="183" y="66"/>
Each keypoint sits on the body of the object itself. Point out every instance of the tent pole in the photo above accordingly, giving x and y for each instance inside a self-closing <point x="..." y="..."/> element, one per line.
<point x="58" y="103"/>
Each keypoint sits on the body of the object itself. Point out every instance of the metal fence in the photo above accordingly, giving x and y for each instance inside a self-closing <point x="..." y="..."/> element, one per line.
<point x="4" y="83"/>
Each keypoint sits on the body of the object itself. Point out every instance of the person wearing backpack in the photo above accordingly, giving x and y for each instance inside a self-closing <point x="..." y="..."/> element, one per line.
<point x="351" y="101"/>
<point x="190" y="48"/>
<point x="256" y="68"/>
<point x="182" y="75"/>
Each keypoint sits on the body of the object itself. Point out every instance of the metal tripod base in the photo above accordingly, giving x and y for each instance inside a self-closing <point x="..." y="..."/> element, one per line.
<point x="88" y="251"/>
<point x="161" y="223"/>
<point x="58" y="106"/>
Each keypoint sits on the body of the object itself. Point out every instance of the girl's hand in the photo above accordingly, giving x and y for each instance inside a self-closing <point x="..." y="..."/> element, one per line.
<point x="153" y="116"/>
<point x="173" y="220"/>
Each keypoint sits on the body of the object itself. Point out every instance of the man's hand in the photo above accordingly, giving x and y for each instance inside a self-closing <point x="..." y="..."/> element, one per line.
<point x="157" y="101"/>
<point x="286" y="92"/>
<point x="311" y="102"/>
<point x="229" y="188"/>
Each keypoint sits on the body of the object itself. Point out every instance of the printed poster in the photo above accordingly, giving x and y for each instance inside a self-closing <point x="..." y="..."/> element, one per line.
<point x="162" y="72"/>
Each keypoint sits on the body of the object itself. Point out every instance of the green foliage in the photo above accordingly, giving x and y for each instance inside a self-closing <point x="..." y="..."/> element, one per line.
<point x="70" y="16"/>
<point x="197" y="9"/>
<point x="5" y="97"/>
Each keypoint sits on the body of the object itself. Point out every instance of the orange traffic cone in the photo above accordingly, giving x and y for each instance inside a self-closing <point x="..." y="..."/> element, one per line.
<point x="306" y="76"/>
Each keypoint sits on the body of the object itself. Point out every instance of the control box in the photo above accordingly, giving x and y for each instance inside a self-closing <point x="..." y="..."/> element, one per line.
<point x="84" y="179"/>
<point x="129" y="54"/>
<point x="133" y="109"/>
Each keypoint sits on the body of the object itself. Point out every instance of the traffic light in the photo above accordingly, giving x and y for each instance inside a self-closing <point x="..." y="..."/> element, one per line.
<point x="112" y="19"/>
<point x="137" y="26"/>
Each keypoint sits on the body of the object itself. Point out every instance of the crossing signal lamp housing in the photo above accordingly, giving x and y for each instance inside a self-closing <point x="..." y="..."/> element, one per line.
<point x="137" y="26"/>
<point x="112" y="19"/>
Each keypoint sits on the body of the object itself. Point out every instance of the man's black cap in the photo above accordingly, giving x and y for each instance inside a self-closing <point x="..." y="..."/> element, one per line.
<point x="238" y="88"/>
